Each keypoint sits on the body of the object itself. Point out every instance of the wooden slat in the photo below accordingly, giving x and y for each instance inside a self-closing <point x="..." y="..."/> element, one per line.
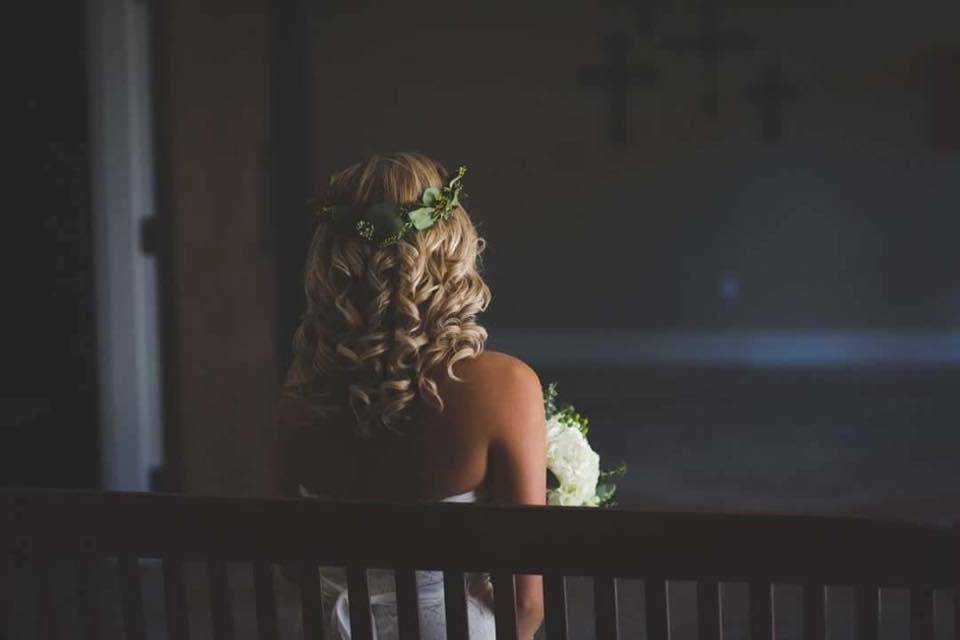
<point x="311" y="605"/>
<point x="555" y="607"/>
<point x="921" y="613"/>
<point x="657" y="602"/>
<point x="623" y="543"/>
<point x="407" y="609"/>
<point x="176" y="599"/>
<point x="131" y="595"/>
<point x="709" y="610"/>
<point x="88" y="581"/>
<point x="814" y="612"/>
<point x="761" y="611"/>
<point x="455" y="605"/>
<point x="505" y="605"/>
<point x="221" y="614"/>
<point x="358" y="594"/>
<point x="868" y="612"/>
<point x="263" y="588"/>
<point x="605" y="608"/>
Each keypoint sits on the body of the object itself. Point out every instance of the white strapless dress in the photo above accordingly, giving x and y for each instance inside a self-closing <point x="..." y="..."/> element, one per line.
<point x="383" y="601"/>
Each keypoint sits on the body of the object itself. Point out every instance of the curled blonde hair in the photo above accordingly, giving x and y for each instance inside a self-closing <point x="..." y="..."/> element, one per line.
<point x="381" y="321"/>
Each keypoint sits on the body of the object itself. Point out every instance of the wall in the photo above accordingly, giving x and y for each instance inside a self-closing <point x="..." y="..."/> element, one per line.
<point x="667" y="282"/>
<point x="698" y="221"/>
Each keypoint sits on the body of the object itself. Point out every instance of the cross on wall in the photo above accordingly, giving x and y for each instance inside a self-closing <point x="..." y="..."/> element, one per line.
<point x="617" y="76"/>
<point x="770" y="93"/>
<point x="710" y="44"/>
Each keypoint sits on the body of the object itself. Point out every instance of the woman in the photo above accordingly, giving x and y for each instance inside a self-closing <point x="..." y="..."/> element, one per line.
<point x="392" y="395"/>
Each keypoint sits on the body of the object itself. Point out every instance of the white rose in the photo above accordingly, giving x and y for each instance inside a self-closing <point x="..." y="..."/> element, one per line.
<point x="574" y="463"/>
<point x="570" y="497"/>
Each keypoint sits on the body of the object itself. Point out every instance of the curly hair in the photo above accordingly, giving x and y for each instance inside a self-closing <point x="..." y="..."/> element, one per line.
<point x="382" y="322"/>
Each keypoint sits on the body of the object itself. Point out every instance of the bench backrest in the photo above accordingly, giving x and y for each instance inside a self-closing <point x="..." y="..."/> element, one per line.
<point x="710" y="549"/>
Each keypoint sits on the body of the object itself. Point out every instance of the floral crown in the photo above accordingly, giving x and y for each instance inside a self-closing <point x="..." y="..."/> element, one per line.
<point x="384" y="223"/>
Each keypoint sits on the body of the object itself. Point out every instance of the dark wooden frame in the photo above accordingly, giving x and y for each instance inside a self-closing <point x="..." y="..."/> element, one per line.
<point x="760" y="550"/>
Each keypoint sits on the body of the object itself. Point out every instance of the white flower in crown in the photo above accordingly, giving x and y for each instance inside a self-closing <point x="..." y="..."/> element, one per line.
<point x="574" y="463"/>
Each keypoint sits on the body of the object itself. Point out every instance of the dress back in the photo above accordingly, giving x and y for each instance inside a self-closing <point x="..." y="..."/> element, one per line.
<point x="383" y="604"/>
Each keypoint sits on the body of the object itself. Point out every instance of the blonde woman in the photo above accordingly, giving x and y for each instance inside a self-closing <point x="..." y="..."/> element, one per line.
<point x="392" y="395"/>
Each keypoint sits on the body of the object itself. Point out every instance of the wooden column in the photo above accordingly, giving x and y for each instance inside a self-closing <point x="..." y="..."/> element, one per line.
<point x="211" y="82"/>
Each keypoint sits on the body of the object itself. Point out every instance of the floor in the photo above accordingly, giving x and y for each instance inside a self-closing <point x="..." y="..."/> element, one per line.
<point x="794" y="440"/>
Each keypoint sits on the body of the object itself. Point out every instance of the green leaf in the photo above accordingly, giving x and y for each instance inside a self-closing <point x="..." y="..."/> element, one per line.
<point x="386" y="218"/>
<point x="430" y="195"/>
<point x="456" y="181"/>
<point x="422" y="217"/>
<point x="605" y="492"/>
<point x="618" y="470"/>
<point x="550" y="400"/>
<point x="569" y="416"/>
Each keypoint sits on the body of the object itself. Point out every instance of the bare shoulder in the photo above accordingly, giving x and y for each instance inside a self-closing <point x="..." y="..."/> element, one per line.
<point x="497" y="369"/>
<point x="499" y="389"/>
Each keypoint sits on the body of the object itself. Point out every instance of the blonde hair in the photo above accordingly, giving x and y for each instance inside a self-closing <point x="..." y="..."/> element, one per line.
<point x="381" y="321"/>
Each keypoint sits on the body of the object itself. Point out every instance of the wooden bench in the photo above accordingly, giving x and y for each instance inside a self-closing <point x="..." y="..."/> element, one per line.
<point x="711" y="549"/>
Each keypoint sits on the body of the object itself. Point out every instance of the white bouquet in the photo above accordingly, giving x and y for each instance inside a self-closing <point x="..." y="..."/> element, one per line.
<point x="574" y="478"/>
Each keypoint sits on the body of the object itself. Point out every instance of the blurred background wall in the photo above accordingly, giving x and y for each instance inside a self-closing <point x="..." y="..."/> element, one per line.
<point x="725" y="229"/>
<point x="696" y="218"/>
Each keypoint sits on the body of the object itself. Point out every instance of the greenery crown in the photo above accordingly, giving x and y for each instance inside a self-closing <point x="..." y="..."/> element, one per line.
<point x="384" y="223"/>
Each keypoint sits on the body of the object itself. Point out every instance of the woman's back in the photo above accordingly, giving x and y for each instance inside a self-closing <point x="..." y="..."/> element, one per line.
<point x="391" y="395"/>
<point x="443" y="456"/>
<point x="436" y="455"/>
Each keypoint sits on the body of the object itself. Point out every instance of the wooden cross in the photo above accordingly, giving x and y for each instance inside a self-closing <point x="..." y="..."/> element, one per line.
<point x="770" y="92"/>
<point x="617" y="76"/>
<point x="710" y="44"/>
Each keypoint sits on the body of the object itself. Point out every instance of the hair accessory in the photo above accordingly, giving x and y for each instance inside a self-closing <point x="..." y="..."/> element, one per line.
<point x="384" y="223"/>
